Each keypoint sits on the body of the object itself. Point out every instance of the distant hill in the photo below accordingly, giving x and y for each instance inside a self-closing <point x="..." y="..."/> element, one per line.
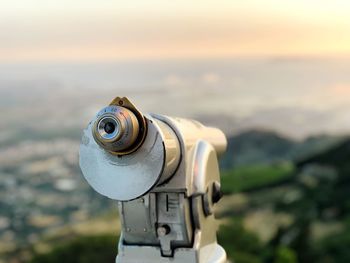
<point x="314" y="145"/>
<point x="264" y="147"/>
<point x="254" y="147"/>
<point x="337" y="156"/>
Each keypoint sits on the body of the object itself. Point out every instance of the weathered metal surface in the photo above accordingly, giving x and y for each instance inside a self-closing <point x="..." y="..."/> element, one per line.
<point x="122" y="177"/>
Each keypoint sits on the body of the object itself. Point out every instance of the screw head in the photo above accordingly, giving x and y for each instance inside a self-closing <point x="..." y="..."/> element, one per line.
<point x="163" y="230"/>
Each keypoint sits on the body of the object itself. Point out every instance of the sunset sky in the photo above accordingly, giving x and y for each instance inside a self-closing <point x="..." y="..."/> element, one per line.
<point x="103" y="30"/>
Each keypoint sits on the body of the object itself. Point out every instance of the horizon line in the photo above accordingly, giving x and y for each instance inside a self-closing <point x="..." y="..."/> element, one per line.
<point x="101" y="60"/>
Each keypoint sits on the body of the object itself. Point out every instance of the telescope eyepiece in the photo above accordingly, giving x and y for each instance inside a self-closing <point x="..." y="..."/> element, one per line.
<point x="117" y="129"/>
<point x="109" y="128"/>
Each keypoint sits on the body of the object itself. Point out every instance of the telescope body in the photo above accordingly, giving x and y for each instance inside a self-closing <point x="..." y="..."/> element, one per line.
<point x="164" y="174"/>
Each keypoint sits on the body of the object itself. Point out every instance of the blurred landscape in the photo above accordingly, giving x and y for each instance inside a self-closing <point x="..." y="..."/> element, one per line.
<point x="286" y="174"/>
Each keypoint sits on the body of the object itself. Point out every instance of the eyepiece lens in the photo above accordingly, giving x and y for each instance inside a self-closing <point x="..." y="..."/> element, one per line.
<point x="118" y="129"/>
<point x="109" y="127"/>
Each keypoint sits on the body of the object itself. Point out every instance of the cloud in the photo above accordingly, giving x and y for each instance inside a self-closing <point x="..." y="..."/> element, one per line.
<point x="111" y="30"/>
<point x="210" y="78"/>
<point x="173" y="80"/>
<point x="342" y="89"/>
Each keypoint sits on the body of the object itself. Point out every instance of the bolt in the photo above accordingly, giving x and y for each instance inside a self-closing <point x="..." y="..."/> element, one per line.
<point x="163" y="230"/>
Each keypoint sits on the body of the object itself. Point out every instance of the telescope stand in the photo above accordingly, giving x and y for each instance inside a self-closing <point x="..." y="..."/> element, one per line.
<point x="213" y="253"/>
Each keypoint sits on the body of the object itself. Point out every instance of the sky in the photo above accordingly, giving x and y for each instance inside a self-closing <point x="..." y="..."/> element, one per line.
<point x="106" y="30"/>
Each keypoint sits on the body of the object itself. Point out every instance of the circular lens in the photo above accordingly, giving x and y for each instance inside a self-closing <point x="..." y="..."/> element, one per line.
<point x="109" y="128"/>
<point x="116" y="129"/>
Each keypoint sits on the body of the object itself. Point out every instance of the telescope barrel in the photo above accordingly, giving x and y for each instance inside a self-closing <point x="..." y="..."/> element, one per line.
<point x="191" y="131"/>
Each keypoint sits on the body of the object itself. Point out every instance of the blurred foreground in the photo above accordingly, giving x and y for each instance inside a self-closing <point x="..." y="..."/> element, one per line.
<point x="286" y="199"/>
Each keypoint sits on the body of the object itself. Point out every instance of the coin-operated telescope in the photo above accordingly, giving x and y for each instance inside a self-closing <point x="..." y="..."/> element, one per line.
<point x="164" y="174"/>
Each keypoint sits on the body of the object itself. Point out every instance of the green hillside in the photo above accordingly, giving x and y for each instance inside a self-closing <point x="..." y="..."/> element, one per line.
<point x="265" y="147"/>
<point x="245" y="178"/>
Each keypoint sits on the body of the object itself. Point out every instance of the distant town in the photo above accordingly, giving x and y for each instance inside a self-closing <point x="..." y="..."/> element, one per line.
<point x="41" y="190"/>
